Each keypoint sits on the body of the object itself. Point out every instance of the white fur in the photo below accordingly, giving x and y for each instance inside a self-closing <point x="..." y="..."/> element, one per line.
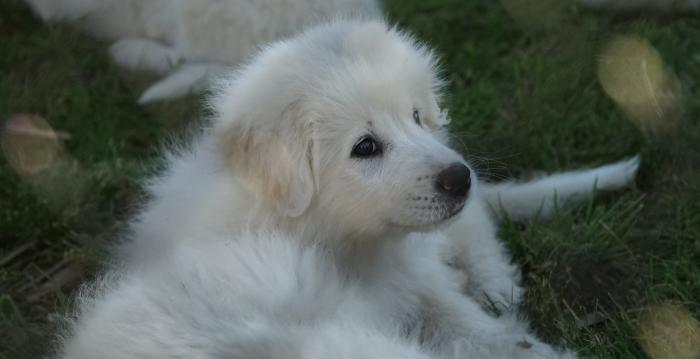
<point x="268" y="239"/>
<point x="185" y="79"/>
<point x="542" y="196"/>
<point x="224" y="299"/>
<point x="161" y="35"/>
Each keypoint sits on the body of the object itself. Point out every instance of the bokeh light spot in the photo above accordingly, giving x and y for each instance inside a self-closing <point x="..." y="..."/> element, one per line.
<point x="633" y="74"/>
<point x="669" y="331"/>
<point x="35" y="151"/>
<point x="29" y="144"/>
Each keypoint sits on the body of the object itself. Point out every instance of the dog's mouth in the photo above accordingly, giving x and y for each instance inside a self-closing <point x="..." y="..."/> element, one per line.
<point x="456" y="210"/>
<point x="429" y="218"/>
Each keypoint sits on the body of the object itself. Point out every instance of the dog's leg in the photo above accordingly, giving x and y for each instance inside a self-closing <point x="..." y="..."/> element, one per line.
<point x="462" y="329"/>
<point x="524" y="200"/>
<point x="474" y="249"/>
<point x="186" y="79"/>
<point x="145" y="54"/>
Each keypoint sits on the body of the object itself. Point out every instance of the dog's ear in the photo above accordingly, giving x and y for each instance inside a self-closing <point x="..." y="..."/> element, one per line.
<point x="272" y="156"/>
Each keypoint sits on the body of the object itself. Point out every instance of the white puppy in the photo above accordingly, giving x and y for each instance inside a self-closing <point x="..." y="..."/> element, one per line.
<point x="192" y="41"/>
<point x="305" y="222"/>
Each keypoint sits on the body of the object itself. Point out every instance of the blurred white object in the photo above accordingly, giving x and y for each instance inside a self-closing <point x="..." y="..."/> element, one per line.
<point x="191" y="42"/>
<point x="658" y="5"/>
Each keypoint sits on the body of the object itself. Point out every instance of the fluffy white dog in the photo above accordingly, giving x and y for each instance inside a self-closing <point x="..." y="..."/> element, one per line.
<point x="189" y="41"/>
<point x="307" y="221"/>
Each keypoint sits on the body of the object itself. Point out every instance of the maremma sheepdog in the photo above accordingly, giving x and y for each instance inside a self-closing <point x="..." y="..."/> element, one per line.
<point x="190" y="42"/>
<point x="322" y="214"/>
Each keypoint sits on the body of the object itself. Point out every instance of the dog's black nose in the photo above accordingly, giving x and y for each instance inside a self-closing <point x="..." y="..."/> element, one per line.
<point x="454" y="181"/>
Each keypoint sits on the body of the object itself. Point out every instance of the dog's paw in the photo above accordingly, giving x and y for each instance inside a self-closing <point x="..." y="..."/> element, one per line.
<point x="498" y="288"/>
<point x="186" y="79"/>
<point x="504" y="297"/>
<point x="144" y="55"/>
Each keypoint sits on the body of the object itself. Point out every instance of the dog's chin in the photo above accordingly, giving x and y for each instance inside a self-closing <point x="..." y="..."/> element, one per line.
<point x="444" y="221"/>
<point x="451" y="217"/>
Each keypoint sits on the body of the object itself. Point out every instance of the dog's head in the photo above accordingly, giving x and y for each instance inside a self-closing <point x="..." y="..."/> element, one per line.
<point x="343" y="123"/>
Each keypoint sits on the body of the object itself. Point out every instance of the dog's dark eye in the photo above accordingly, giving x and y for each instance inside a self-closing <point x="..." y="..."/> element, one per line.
<point x="367" y="147"/>
<point x="416" y="117"/>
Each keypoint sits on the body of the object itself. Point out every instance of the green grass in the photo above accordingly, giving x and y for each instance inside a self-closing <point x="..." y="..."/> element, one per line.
<point x="523" y="95"/>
